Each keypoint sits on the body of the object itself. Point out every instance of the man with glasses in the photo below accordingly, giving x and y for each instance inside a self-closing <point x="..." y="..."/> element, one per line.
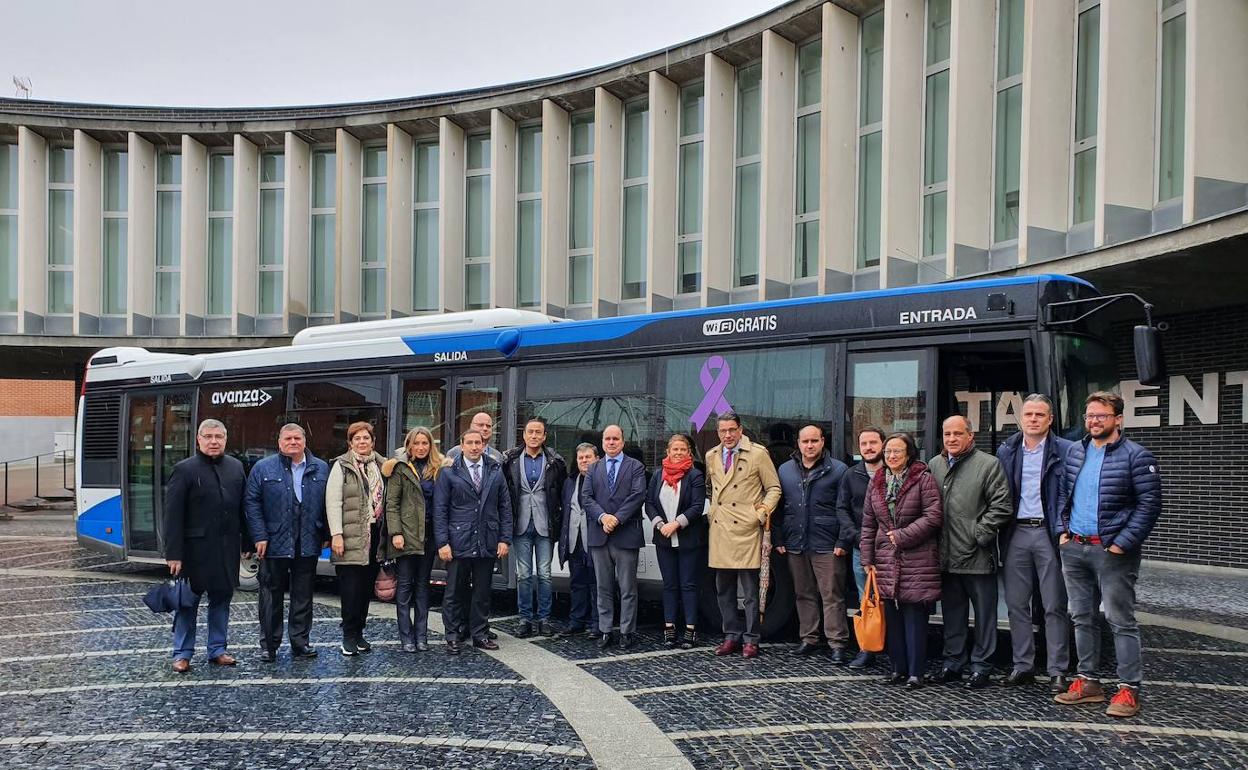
<point x="1113" y="492"/>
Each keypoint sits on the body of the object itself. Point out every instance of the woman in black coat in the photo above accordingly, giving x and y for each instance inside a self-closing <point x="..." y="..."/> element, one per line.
<point x="674" y="504"/>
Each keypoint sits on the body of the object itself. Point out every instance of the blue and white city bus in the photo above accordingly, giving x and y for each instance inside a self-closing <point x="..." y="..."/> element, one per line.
<point x="901" y="359"/>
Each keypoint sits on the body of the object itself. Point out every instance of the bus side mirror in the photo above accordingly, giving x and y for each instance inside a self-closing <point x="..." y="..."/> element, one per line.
<point x="1150" y="364"/>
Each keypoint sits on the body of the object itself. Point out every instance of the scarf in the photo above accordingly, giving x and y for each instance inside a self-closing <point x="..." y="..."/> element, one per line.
<point x="376" y="489"/>
<point x="673" y="472"/>
<point x="893" y="482"/>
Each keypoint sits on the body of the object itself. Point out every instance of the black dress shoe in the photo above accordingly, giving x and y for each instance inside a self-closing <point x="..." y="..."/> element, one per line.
<point x="452" y="647"/>
<point x="493" y="637"/>
<point x="604" y="641"/>
<point x="945" y="676"/>
<point x="806" y="648"/>
<point x="895" y="678"/>
<point x="839" y="656"/>
<point x="862" y="660"/>
<point x="268" y="656"/>
<point x="1017" y="678"/>
<point x="306" y="652"/>
<point x="526" y="630"/>
<point x="627" y="640"/>
<point x="978" y="681"/>
<point x="422" y="645"/>
<point x="362" y="644"/>
<point x="545" y="628"/>
<point x="408" y="647"/>
<point x="1059" y="683"/>
<point x="914" y="683"/>
<point x="484" y="643"/>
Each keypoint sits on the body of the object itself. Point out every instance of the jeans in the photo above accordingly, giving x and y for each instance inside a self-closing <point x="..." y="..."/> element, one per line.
<point x="860" y="575"/>
<point x="218" y="626"/>
<point x="277" y="576"/>
<point x="584" y="587"/>
<point x="411" y="596"/>
<point x="1086" y="567"/>
<point x="905" y="636"/>
<point x="680" y="569"/>
<point x="524" y="546"/>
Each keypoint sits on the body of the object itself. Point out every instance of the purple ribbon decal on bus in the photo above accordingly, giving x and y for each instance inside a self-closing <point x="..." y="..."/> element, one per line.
<point x="714" y="378"/>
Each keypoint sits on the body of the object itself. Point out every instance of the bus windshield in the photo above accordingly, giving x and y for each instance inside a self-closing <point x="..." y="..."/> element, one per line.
<point x="1082" y="365"/>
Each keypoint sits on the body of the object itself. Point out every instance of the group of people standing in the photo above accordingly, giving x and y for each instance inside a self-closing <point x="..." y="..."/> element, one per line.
<point x="1062" y="519"/>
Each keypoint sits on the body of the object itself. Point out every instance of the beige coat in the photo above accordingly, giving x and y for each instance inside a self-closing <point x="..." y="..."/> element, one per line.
<point x="736" y="523"/>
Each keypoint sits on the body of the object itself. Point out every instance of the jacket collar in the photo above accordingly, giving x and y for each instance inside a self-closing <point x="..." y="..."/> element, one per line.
<point x="1122" y="436"/>
<point x="820" y="465"/>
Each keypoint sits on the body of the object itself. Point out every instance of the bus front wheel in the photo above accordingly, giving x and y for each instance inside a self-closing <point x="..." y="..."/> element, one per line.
<point x="249" y="573"/>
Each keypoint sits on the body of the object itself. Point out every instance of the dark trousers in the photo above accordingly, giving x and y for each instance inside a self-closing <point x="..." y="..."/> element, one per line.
<point x="584" y="587"/>
<point x="276" y="577"/>
<point x="355" y="589"/>
<point x="959" y="594"/>
<point x="905" y="636"/>
<point x="681" y="569"/>
<point x="411" y="596"/>
<point x="727" y="583"/>
<point x="465" y="611"/>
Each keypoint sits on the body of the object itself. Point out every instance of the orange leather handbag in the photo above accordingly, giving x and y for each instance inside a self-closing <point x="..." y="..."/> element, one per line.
<point x="869" y="622"/>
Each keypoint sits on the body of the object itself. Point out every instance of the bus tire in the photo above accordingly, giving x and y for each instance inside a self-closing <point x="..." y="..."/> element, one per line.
<point x="249" y="573"/>
<point x="781" y="601"/>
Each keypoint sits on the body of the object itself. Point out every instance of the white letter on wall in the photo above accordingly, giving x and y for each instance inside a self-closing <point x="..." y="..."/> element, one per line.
<point x="1134" y="400"/>
<point x="1205" y="408"/>
<point x="1240" y="379"/>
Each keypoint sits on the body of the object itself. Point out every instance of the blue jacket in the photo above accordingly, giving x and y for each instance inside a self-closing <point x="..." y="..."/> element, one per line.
<point x="808" y="520"/>
<point x="1052" y="490"/>
<point x="625" y="502"/>
<point x="270" y="500"/>
<point x="1130" y="492"/>
<point x="689" y="503"/>
<point x="473" y="523"/>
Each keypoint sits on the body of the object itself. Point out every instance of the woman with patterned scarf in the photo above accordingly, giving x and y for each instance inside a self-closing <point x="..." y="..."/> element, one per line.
<point x="901" y="520"/>
<point x="355" y="507"/>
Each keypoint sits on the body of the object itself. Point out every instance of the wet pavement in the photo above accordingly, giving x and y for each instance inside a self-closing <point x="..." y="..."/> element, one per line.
<point x="85" y="682"/>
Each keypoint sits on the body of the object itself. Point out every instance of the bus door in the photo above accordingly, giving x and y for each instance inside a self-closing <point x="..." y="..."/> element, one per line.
<point x="890" y="390"/>
<point x="445" y="405"/>
<point x="159" y="434"/>
<point x="987" y="382"/>
<point x="480" y="393"/>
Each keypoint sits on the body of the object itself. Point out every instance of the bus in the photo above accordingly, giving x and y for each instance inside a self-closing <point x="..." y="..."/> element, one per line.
<point x="901" y="359"/>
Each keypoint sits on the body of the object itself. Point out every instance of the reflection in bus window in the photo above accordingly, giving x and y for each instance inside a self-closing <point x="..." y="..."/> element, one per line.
<point x="424" y="405"/>
<point x="986" y="382"/>
<point x="887" y="390"/>
<point x="558" y="394"/>
<point x="251" y="414"/>
<point x="325" y="410"/>
<point x="1083" y="365"/>
<point x="479" y="394"/>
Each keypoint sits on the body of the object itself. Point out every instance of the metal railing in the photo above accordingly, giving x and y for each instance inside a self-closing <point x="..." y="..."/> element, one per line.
<point x="67" y="473"/>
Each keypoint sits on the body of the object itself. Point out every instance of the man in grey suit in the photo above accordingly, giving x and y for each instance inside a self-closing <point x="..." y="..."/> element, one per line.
<point x="613" y="495"/>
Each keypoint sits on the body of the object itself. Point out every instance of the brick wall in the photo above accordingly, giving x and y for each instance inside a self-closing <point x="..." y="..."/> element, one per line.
<point x="1204" y="466"/>
<point x="37" y="398"/>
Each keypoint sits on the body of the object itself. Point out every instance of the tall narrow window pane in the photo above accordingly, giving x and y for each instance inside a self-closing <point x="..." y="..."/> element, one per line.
<point x="270" y="293"/>
<point x="8" y="263"/>
<point x="692" y="105"/>
<point x="936" y="129"/>
<point x="1009" y="38"/>
<point x="745" y="266"/>
<point x="272" y="168"/>
<point x="114" y="272"/>
<point x="220" y="183"/>
<point x="1084" y="204"/>
<point x="322" y="279"/>
<point x="808" y="163"/>
<point x="529" y="178"/>
<point x="690" y="188"/>
<point x="935" y="217"/>
<point x="581" y="221"/>
<point x="427" y="160"/>
<point x="169" y="168"/>
<point x="272" y="203"/>
<point x="478" y="217"/>
<point x="60" y="230"/>
<point x="1087" y="73"/>
<point x="168" y="228"/>
<point x="806" y="249"/>
<point x="60" y="227"/>
<point x="689" y="267"/>
<point x="871" y="109"/>
<point x="477" y="286"/>
<point x="425" y="265"/>
<point x="60" y="292"/>
<point x="220" y="258"/>
<point x="809" y="64"/>
<point x="8" y="177"/>
<point x="168" y="294"/>
<point x="583" y="134"/>
<point x="324" y="179"/>
<point x="581" y="211"/>
<point x="869" y="199"/>
<point x="634" y="270"/>
<point x="938" y="21"/>
<point x="1173" y="110"/>
<point x="1006" y="189"/>
<point x="528" y="253"/>
<point x="373" y="253"/>
<point x="374" y="162"/>
<point x="479" y="151"/>
<point x="373" y="290"/>
<point x="749" y="110"/>
<point x="116" y="181"/>
<point x="580" y="279"/>
<point x="870" y="115"/>
<point x="61" y="165"/>
<point x="636" y="140"/>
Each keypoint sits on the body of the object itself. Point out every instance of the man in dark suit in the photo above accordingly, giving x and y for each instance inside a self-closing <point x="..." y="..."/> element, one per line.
<point x="472" y="527"/>
<point x="203" y="540"/>
<point x="613" y="495"/>
<point x="574" y="548"/>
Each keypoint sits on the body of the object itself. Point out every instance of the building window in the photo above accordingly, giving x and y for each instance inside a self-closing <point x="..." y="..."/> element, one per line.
<point x="1172" y="108"/>
<point x="8" y="228"/>
<point x="689" y="181"/>
<point x="426" y="200"/>
<point x="373" y="234"/>
<point x="60" y="230"/>
<point x="168" y="234"/>
<point x="581" y="211"/>
<point x="870" y="139"/>
<point x="806" y="208"/>
<point x="272" y="222"/>
<point x="113" y="270"/>
<point x="324" y="227"/>
<point x="220" y="233"/>
<point x="1009" y="130"/>
<point x="748" y="165"/>
<point x="1083" y="149"/>
<point x="529" y="217"/>
<point x="636" y="192"/>
<point x="936" y="129"/>
<point x="477" y="223"/>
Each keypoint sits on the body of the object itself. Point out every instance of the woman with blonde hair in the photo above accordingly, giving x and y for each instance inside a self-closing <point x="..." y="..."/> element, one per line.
<point x="409" y="518"/>
<point x="354" y="505"/>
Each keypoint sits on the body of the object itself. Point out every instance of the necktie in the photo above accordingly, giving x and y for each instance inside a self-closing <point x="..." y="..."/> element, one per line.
<point x="728" y="460"/>
<point x="476" y="476"/>
<point x="612" y="464"/>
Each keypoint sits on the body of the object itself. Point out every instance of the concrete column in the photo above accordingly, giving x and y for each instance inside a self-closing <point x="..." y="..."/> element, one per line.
<point x="88" y="233"/>
<point x="502" y="210"/>
<point x="777" y="184"/>
<point x="246" y="277"/>
<point x="608" y="200"/>
<point x="556" y="149"/>
<point x="194" y="274"/>
<point x="451" y="154"/>
<point x="350" y="203"/>
<point x="1125" y="122"/>
<point x="662" y="203"/>
<point x="972" y="68"/>
<point x="1048" y="106"/>
<point x="1215" y="165"/>
<point x="838" y="140"/>
<point x="141" y="236"/>
<point x="717" y="159"/>
<point x="902" y="162"/>
<point x="32" y="231"/>
<point x="297" y="232"/>
<point x="399" y="180"/>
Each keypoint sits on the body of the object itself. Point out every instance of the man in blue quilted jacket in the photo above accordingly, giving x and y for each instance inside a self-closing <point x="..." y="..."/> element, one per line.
<point x="1113" y="500"/>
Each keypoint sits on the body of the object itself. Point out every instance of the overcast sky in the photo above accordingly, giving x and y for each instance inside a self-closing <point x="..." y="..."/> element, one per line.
<point x="231" y="53"/>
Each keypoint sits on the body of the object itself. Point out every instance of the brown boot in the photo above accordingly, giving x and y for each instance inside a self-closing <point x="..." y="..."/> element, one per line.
<point x="1081" y="690"/>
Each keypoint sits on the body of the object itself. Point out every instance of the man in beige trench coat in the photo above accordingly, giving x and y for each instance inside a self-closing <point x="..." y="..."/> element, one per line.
<point x="744" y="491"/>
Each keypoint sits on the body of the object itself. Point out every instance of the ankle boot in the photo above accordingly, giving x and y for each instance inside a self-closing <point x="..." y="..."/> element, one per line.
<point x="669" y="636"/>
<point x="691" y="638"/>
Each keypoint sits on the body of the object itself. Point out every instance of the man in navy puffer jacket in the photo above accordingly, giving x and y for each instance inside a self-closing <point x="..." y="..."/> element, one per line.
<point x="1113" y="499"/>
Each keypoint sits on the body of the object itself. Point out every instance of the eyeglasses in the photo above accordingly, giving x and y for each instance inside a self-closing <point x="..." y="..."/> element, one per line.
<point x="1098" y="417"/>
<point x="894" y="452"/>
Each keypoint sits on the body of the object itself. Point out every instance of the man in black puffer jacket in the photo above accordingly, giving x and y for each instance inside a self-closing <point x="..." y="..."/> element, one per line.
<point x="1113" y="499"/>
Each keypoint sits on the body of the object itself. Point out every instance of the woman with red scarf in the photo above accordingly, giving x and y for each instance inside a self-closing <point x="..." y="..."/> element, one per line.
<point x="674" y="504"/>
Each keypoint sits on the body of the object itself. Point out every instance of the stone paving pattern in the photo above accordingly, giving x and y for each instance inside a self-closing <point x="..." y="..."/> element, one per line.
<point x="87" y="636"/>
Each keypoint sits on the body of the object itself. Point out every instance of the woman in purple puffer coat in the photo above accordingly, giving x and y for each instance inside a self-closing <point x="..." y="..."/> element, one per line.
<point x="901" y="519"/>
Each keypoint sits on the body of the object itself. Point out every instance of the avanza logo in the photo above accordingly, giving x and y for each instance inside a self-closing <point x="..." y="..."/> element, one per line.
<point x="719" y="326"/>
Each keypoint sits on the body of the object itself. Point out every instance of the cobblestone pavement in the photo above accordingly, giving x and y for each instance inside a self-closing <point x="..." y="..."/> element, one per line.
<point x="85" y="682"/>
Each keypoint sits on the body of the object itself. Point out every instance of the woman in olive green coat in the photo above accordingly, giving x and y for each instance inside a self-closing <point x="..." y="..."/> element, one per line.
<point x="409" y="508"/>
<point x="354" y="505"/>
